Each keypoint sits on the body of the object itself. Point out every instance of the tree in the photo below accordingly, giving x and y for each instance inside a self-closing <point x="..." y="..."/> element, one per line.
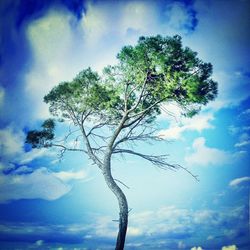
<point x="113" y="111"/>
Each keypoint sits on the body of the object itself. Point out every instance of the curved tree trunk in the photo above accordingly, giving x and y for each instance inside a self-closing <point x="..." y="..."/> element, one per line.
<point x="123" y="205"/>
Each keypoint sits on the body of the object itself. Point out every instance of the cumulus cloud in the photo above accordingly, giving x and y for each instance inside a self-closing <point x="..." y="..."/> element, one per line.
<point x="51" y="38"/>
<point x="39" y="184"/>
<point x="138" y="17"/>
<point x="95" y="23"/>
<point x="230" y="92"/>
<point x="196" y="248"/>
<point x="175" y="223"/>
<point x="236" y="182"/>
<point x="155" y="227"/>
<point x="179" y="17"/>
<point x="11" y="142"/>
<point x="203" y="155"/>
<point x="27" y="183"/>
<point x="197" y="123"/>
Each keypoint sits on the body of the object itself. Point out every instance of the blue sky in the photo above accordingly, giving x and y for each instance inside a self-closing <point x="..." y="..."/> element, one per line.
<point x="50" y="204"/>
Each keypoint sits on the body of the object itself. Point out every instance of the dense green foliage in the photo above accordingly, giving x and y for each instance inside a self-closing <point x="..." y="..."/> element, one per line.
<point x="174" y="73"/>
<point x="43" y="137"/>
<point x="156" y="70"/>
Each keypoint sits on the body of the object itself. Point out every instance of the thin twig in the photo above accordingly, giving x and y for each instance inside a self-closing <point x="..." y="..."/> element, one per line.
<point x="122" y="183"/>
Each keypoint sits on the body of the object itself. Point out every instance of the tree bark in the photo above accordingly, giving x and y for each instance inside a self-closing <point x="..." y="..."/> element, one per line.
<point x="123" y="205"/>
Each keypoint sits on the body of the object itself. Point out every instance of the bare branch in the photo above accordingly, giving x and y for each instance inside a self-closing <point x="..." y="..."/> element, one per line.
<point x="132" y="136"/>
<point x="122" y="183"/>
<point x="66" y="148"/>
<point x="99" y="125"/>
<point x="70" y="133"/>
<point x="196" y="177"/>
<point x="158" y="160"/>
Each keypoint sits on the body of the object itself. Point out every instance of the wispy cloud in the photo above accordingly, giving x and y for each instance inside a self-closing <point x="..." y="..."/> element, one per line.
<point x="238" y="181"/>
<point x="244" y="140"/>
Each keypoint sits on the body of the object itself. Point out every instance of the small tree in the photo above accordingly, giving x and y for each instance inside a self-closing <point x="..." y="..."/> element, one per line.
<point x="119" y="108"/>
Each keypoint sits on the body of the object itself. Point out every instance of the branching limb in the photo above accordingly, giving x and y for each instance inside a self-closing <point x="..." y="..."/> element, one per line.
<point x="157" y="160"/>
<point x="143" y="135"/>
<point x="66" y="148"/>
<point x="90" y="151"/>
<point x="196" y="177"/>
<point x="147" y="109"/>
<point x="97" y="126"/>
<point x="122" y="183"/>
<point x="140" y="95"/>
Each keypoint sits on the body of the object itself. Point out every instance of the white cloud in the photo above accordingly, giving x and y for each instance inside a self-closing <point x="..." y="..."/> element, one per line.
<point x="134" y="231"/>
<point x="203" y="155"/>
<point x="231" y="90"/>
<point x="27" y="183"/>
<point x="60" y="47"/>
<point x="40" y="184"/>
<point x="52" y="39"/>
<point x="12" y="147"/>
<point x="11" y="142"/>
<point x="178" y="17"/>
<point x="239" y="181"/>
<point x="153" y="226"/>
<point x="138" y="16"/>
<point x="23" y="170"/>
<point x="196" y="248"/>
<point x="95" y="23"/>
<point x="34" y="154"/>
<point x="197" y="123"/>
<point x="67" y="176"/>
<point x="242" y="144"/>
<point x="232" y="247"/>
